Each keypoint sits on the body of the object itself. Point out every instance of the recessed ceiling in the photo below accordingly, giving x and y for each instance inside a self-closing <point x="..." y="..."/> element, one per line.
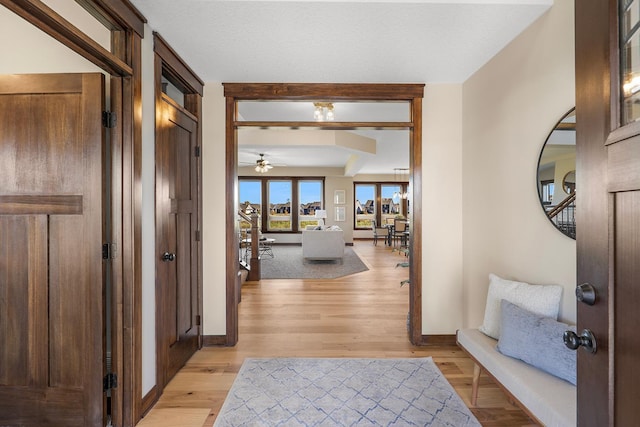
<point x="419" y="41"/>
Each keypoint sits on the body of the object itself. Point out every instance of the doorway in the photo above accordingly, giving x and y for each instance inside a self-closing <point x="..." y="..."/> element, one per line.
<point x="411" y="93"/>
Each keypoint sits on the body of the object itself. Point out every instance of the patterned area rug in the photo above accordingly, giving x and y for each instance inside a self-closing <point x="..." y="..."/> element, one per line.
<point x="342" y="392"/>
<point x="288" y="263"/>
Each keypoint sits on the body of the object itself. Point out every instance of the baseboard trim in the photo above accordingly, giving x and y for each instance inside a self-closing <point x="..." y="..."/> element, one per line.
<point x="149" y="400"/>
<point x="214" y="340"/>
<point x="438" y="339"/>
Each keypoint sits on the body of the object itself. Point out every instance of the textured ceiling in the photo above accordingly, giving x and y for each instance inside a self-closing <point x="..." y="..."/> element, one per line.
<point x="330" y="41"/>
<point x="419" y="41"/>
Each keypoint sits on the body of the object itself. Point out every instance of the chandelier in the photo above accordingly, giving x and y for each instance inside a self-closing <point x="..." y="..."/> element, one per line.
<point x="323" y="111"/>
<point x="401" y="175"/>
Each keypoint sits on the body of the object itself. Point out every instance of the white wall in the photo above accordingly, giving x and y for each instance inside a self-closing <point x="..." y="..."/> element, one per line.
<point x="442" y="299"/>
<point x="214" y="201"/>
<point x="509" y="107"/>
<point x="345" y="183"/>
<point x="34" y="51"/>
<point x="81" y="19"/>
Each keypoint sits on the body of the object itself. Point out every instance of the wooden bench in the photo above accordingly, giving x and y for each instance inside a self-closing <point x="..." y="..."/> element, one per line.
<point x="548" y="400"/>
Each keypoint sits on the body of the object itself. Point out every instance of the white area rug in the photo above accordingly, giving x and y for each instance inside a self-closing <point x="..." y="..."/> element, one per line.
<point x="342" y="392"/>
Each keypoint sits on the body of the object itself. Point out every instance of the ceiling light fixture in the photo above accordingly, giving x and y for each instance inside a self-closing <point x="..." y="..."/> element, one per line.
<point x="399" y="174"/>
<point x="323" y="112"/>
<point x="262" y="165"/>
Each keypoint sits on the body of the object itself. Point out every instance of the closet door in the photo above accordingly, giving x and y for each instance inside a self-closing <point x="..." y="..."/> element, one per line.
<point x="176" y="224"/>
<point x="51" y="267"/>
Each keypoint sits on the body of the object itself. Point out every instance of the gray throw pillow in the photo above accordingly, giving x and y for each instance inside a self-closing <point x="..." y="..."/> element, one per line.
<point x="536" y="340"/>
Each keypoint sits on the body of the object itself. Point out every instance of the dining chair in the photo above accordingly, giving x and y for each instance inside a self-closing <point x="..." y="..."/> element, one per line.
<point x="400" y="231"/>
<point x="379" y="233"/>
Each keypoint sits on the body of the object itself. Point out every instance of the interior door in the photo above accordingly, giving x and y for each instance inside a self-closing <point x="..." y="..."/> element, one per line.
<point x="51" y="268"/>
<point x="608" y="208"/>
<point x="176" y="224"/>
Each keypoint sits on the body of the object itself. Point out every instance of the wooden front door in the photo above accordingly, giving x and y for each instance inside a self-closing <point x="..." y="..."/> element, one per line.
<point x="608" y="208"/>
<point x="51" y="235"/>
<point x="177" y="314"/>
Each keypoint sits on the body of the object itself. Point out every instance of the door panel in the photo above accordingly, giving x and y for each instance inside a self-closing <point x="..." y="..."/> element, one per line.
<point x="608" y="228"/>
<point x="51" y="269"/>
<point x="176" y="222"/>
<point x="627" y="315"/>
<point x="23" y="236"/>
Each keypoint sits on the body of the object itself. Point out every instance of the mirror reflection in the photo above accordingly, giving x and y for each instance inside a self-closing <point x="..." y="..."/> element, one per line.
<point x="569" y="182"/>
<point x="557" y="175"/>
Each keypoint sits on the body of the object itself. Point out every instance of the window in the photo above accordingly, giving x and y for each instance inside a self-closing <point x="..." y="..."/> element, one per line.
<point x="310" y="197"/>
<point x="250" y="196"/>
<point x="380" y="201"/>
<point x="275" y="201"/>
<point x="391" y="196"/>
<point x="547" y="192"/>
<point x="279" y="193"/>
<point x="365" y="205"/>
<point x="172" y="90"/>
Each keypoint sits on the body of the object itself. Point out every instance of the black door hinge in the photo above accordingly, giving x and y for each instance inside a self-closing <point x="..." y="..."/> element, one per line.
<point x="110" y="381"/>
<point x="197" y="320"/>
<point x="109" y="119"/>
<point x="197" y="235"/>
<point x="109" y="251"/>
<point x="197" y="151"/>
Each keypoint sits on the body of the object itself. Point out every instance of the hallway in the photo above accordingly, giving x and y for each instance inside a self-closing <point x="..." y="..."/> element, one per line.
<point x="363" y="315"/>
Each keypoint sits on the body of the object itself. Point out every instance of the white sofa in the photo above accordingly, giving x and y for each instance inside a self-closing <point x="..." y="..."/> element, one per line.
<point x="323" y="244"/>
<point x="547" y="399"/>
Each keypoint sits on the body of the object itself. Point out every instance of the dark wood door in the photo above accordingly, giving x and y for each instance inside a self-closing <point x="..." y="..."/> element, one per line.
<point x="176" y="224"/>
<point x="51" y="268"/>
<point x="608" y="210"/>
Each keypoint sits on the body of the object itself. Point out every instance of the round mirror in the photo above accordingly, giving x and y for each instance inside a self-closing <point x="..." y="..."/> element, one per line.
<point x="557" y="175"/>
<point x="569" y="182"/>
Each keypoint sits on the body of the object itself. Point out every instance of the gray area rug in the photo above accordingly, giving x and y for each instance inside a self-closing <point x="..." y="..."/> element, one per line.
<point x="342" y="392"/>
<point x="288" y="263"/>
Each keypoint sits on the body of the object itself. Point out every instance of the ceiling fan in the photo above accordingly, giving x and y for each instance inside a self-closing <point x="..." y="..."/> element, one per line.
<point x="262" y="164"/>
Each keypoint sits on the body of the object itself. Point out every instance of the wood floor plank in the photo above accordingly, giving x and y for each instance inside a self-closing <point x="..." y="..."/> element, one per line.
<point x="176" y="417"/>
<point x="363" y="315"/>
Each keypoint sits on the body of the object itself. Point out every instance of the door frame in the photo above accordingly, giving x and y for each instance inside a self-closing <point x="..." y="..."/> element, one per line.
<point x="123" y="63"/>
<point x="168" y="64"/>
<point x="412" y="93"/>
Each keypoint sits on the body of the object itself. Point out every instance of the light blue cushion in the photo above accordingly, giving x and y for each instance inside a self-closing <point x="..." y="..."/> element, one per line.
<point x="536" y="340"/>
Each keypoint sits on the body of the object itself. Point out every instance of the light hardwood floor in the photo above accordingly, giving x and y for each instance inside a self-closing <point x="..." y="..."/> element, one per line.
<point x="363" y="315"/>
